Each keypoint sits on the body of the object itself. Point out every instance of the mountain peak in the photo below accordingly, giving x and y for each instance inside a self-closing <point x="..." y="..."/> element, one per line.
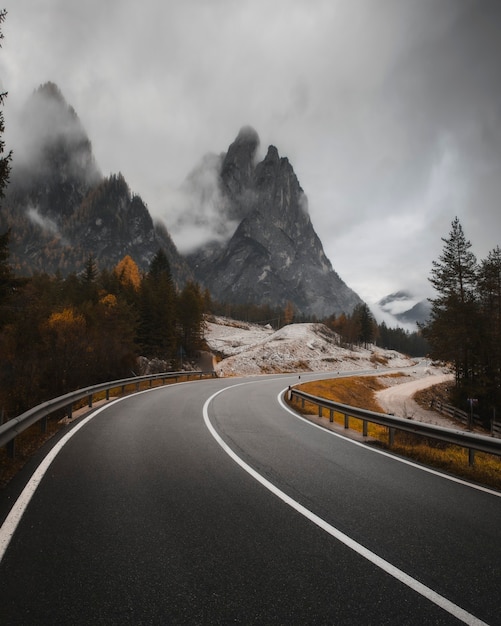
<point x="247" y="134"/>
<point x="274" y="256"/>
<point x="238" y="165"/>
<point x="272" y="154"/>
<point x="50" y="90"/>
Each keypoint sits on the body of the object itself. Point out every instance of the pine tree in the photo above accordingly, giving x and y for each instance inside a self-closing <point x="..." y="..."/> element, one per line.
<point x="364" y="327"/>
<point x="452" y="330"/>
<point x="191" y="320"/>
<point x="489" y="294"/>
<point x="7" y="280"/>
<point x="157" y="325"/>
<point x="5" y="159"/>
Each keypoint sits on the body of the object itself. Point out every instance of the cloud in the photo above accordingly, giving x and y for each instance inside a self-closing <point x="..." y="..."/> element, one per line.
<point x="388" y="111"/>
<point x="196" y="213"/>
<point x="44" y="222"/>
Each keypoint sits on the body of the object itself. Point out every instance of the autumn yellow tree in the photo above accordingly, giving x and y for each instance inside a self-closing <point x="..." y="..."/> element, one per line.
<point x="128" y="273"/>
<point x="66" y="349"/>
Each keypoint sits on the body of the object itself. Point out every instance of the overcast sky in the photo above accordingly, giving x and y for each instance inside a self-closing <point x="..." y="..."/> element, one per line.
<point x="389" y="110"/>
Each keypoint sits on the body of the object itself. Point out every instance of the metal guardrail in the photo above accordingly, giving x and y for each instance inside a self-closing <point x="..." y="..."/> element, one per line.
<point x="465" y="439"/>
<point x="12" y="428"/>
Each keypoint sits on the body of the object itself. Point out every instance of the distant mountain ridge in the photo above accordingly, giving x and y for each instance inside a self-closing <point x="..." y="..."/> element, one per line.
<point x="61" y="210"/>
<point x="405" y="308"/>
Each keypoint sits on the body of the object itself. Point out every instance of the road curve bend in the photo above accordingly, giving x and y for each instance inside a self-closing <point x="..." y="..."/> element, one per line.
<point x="211" y="503"/>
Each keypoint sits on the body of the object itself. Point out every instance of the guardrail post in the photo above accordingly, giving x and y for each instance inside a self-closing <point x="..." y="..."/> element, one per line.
<point x="391" y="436"/>
<point x="331" y="415"/>
<point x="90" y="400"/>
<point x="346" y="420"/>
<point x="43" y="424"/>
<point x="69" y="411"/>
<point x="364" y="428"/>
<point x="320" y="412"/>
<point x="107" y="394"/>
<point x="471" y="457"/>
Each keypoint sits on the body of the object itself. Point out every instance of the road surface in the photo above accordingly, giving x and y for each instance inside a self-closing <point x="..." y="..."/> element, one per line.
<point x="210" y="503"/>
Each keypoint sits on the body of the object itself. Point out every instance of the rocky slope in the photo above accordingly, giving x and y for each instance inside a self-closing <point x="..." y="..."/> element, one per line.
<point x="61" y="209"/>
<point x="274" y="255"/>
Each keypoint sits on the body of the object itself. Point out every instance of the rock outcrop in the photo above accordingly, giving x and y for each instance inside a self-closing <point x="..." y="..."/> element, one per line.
<point x="274" y="256"/>
<point x="60" y="208"/>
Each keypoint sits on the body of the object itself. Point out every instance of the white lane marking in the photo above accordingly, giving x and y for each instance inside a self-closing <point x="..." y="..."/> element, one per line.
<point x="387" y="567"/>
<point x="14" y="517"/>
<point x="15" y="514"/>
<point x="12" y="520"/>
<point x="423" y="468"/>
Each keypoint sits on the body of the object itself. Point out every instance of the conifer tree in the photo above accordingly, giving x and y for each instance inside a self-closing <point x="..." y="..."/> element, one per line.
<point x="489" y="294"/>
<point x="190" y="313"/>
<point x="157" y="326"/>
<point x="452" y="330"/>
<point x="6" y="276"/>
<point x="5" y="159"/>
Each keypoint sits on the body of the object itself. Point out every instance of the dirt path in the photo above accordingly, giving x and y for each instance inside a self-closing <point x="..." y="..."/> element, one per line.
<point x="397" y="400"/>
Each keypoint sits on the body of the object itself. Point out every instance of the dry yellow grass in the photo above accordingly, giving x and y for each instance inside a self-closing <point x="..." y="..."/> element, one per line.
<point x="360" y="392"/>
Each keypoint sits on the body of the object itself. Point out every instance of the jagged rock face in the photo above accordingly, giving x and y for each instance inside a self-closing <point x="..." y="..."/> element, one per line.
<point x="54" y="167"/>
<point x="60" y="208"/>
<point x="275" y="255"/>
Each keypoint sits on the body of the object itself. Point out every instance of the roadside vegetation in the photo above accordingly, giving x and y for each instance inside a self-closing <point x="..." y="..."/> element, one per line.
<point x="360" y="392"/>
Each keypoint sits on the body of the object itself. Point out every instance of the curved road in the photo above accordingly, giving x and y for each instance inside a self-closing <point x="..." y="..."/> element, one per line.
<point x="210" y="503"/>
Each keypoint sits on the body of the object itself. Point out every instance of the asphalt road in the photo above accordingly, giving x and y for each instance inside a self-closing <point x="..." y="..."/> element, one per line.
<point x="143" y="517"/>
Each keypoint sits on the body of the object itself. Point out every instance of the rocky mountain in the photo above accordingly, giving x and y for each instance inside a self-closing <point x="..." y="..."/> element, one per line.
<point x="273" y="255"/>
<point x="405" y="308"/>
<point x="263" y="248"/>
<point x="61" y="209"/>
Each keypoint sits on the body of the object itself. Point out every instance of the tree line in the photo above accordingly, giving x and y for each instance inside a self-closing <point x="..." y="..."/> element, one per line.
<point x="58" y="334"/>
<point x="360" y="328"/>
<point x="465" y="322"/>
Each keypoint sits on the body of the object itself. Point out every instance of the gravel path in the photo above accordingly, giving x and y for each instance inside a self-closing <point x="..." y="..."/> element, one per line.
<point x="397" y="399"/>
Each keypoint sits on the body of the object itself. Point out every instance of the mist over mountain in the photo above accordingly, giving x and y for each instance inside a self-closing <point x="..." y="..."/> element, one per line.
<point x="270" y="252"/>
<point x="59" y="206"/>
<point x="402" y="308"/>
<point x="242" y="223"/>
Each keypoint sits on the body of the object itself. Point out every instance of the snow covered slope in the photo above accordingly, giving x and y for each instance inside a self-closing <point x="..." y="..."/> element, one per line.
<point x="246" y="348"/>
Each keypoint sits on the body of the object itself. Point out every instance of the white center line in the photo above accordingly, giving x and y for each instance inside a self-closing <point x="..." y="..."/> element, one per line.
<point x="401" y="576"/>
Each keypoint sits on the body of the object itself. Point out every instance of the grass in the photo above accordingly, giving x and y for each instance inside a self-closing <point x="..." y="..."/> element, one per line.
<point x="360" y="392"/>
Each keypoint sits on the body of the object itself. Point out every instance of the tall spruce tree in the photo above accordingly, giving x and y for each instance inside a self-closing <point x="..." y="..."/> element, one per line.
<point x="489" y="294"/>
<point x="191" y="318"/>
<point x="6" y="276"/>
<point x="157" y="326"/>
<point x="5" y="159"/>
<point x="453" y="327"/>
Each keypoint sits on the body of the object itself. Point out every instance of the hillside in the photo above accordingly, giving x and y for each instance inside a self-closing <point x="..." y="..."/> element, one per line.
<point x="245" y="349"/>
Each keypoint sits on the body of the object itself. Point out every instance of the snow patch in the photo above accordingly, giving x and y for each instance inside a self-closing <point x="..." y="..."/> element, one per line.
<point x="248" y="349"/>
